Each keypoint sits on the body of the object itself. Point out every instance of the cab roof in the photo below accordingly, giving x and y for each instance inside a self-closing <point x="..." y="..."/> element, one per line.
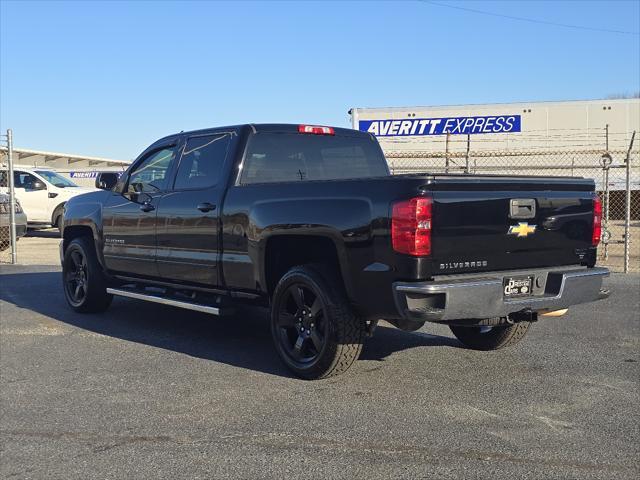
<point x="263" y="127"/>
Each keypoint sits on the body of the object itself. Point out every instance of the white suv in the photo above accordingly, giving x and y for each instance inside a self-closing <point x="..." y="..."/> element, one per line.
<point x="42" y="194"/>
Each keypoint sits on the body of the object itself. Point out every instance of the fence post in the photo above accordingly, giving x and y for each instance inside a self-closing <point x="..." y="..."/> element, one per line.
<point x="606" y="185"/>
<point x="12" y="198"/>
<point x="627" y="213"/>
<point x="607" y="197"/>
<point x="446" y="154"/>
<point x="466" y="168"/>
<point x="606" y="160"/>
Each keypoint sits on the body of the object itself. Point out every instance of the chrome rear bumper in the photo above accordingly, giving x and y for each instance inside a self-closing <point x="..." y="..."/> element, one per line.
<point x="482" y="296"/>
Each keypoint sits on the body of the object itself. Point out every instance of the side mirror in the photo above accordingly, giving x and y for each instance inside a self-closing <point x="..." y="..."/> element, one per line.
<point x="106" y="180"/>
<point x="38" y="185"/>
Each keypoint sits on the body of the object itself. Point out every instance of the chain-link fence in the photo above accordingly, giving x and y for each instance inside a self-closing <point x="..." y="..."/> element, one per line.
<point x="617" y="182"/>
<point x="616" y="173"/>
<point x="8" y="205"/>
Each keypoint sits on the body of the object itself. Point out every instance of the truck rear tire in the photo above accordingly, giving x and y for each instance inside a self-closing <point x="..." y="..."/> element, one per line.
<point x="314" y="329"/>
<point x="491" y="338"/>
<point x="85" y="285"/>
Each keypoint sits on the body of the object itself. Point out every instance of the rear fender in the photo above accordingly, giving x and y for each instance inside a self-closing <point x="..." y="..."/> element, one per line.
<point x="345" y="221"/>
<point x="303" y="231"/>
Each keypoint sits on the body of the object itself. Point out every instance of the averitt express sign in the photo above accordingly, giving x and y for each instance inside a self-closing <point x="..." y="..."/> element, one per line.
<point x="442" y="126"/>
<point x="83" y="174"/>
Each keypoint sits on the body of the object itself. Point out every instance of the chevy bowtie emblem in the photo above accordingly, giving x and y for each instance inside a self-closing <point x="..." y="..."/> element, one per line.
<point x="521" y="230"/>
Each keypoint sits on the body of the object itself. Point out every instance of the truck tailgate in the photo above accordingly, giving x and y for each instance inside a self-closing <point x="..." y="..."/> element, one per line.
<point x="496" y="223"/>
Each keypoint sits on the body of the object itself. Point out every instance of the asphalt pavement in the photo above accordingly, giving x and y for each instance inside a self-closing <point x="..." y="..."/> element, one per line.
<point x="147" y="391"/>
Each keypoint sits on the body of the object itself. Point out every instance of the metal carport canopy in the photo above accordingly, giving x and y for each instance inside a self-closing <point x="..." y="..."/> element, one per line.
<point x="62" y="161"/>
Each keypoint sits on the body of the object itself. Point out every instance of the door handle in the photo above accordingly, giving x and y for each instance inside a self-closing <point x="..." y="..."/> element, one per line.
<point x="206" y="207"/>
<point x="147" y="207"/>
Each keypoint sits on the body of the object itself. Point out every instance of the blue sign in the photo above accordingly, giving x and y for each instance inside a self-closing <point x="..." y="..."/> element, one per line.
<point x="88" y="174"/>
<point x="83" y="174"/>
<point x="442" y="126"/>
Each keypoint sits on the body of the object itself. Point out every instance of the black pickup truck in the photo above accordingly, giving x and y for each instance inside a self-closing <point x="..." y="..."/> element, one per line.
<point x="308" y="221"/>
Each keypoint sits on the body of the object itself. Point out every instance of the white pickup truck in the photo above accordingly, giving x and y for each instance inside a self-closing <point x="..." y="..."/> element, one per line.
<point x="42" y="193"/>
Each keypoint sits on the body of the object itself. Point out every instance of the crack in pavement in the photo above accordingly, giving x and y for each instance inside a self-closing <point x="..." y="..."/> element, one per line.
<point x="289" y="441"/>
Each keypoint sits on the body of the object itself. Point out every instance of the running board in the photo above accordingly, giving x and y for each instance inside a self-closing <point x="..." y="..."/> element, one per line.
<point x="164" y="301"/>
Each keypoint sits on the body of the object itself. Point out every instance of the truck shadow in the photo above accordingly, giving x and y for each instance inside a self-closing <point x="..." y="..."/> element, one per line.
<point x="43" y="232"/>
<point x="242" y="339"/>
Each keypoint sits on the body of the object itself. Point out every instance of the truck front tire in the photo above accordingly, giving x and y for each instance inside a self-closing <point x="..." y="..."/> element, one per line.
<point x="56" y="218"/>
<point x="315" y="331"/>
<point x="491" y="338"/>
<point x="85" y="286"/>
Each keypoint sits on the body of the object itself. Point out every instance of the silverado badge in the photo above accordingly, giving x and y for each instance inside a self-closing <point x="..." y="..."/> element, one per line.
<point x="521" y="230"/>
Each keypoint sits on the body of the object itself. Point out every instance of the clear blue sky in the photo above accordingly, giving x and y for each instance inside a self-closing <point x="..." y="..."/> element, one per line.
<point x="107" y="79"/>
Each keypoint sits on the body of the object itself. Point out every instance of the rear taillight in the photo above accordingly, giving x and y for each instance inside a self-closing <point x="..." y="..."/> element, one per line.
<point x="411" y="226"/>
<point x="316" y="130"/>
<point x="597" y="220"/>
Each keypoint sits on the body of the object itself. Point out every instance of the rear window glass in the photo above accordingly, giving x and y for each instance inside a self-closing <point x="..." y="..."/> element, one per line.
<point x="284" y="157"/>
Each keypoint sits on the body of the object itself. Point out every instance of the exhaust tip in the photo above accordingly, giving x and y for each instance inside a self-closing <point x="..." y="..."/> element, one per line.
<point x="555" y="313"/>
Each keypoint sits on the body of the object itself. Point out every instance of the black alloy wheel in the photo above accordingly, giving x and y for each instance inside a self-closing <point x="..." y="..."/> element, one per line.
<point x="302" y="326"/>
<point x="75" y="277"/>
<point x="314" y="328"/>
<point x="83" y="280"/>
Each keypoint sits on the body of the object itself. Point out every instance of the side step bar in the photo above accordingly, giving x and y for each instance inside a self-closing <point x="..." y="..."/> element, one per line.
<point x="164" y="301"/>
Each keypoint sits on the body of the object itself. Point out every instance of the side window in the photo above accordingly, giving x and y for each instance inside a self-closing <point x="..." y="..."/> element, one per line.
<point x="202" y="161"/>
<point x="23" y="180"/>
<point x="273" y="159"/>
<point x="151" y="174"/>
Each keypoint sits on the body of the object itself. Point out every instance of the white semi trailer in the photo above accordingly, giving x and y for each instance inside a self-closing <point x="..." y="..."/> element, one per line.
<point x="530" y="138"/>
<point x="575" y="125"/>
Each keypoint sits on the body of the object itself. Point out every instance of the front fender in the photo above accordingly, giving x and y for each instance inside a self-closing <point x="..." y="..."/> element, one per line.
<point x="55" y="210"/>
<point x="85" y="211"/>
